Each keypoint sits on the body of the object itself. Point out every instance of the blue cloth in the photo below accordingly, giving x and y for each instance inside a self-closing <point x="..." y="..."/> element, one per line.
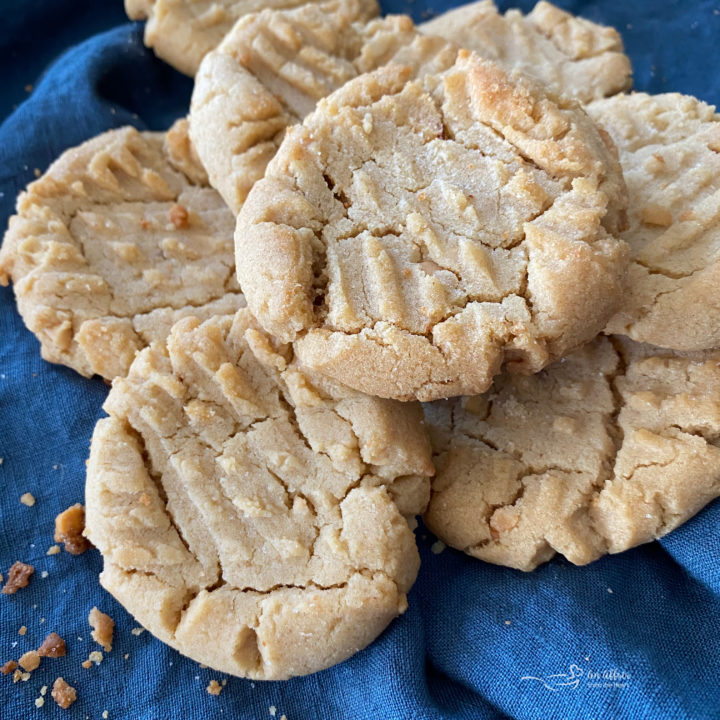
<point x="647" y="621"/>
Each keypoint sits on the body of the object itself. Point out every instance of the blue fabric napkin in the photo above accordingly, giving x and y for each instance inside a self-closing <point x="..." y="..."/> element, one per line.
<point x="631" y="636"/>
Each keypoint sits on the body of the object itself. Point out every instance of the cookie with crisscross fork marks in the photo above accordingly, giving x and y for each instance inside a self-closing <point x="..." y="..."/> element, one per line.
<point x="273" y="67"/>
<point x="670" y="153"/>
<point x="613" y="446"/>
<point x="571" y="54"/>
<point x="412" y="236"/>
<point x="250" y="515"/>
<point x="182" y="32"/>
<point x="118" y="240"/>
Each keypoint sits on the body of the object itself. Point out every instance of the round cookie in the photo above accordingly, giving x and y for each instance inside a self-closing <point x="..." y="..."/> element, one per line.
<point x="182" y="32"/>
<point x="273" y="67"/>
<point x="251" y="516"/>
<point x="411" y="236"/>
<point x="570" y="54"/>
<point x="611" y="447"/>
<point x="118" y="240"/>
<point x="670" y="153"/>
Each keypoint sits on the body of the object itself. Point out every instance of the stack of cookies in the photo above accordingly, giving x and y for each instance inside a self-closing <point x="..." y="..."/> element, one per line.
<point x="358" y="216"/>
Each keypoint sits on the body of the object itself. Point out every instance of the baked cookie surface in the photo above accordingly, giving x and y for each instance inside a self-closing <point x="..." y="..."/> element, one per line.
<point x="248" y="515"/>
<point x="573" y="55"/>
<point x="182" y="32"/>
<point x="611" y="447"/>
<point x="411" y="236"/>
<point x="670" y="153"/>
<point x="118" y="240"/>
<point x="270" y="71"/>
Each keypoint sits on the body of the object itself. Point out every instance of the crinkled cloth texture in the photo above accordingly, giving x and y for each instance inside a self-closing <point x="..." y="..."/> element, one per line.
<point x="473" y="631"/>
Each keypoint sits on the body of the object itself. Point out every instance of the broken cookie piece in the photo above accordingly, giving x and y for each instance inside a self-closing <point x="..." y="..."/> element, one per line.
<point x="18" y="577"/>
<point x="63" y="694"/>
<point x="69" y="526"/>
<point x="103" y="626"/>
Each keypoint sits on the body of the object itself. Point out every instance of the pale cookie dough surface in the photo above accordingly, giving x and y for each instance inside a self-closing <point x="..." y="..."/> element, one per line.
<point x="182" y="32"/>
<point x="670" y="153"/>
<point x="250" y="516"/>
<point x="611" y="447"/>
<point x="118" y="240"/>
<point x="273" y="67"/>
<point x="411" y="236"/>
<point x="570" y="54"/>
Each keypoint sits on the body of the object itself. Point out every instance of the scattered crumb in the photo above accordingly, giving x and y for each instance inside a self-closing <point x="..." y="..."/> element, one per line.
<point x="28" y="88"/>
<point x="69" y="526"/>
<point x="22" y="630"/>
<point x="437" y="547"/>
<point x="214" y="688"/>
<point x="53" y="550"/>
<point x="8" y="667"/>
<point x="610" y="590"/>
<point x="19" y="675"/>
<point x="29" y="661"/>
<point x="95" y="656"/>
<point x="102" y="625"/>
<point x="63" y="694"/>
<point x="18" y="577"/>
<point x="507" y="622"/>
<point x="179" y="216"/>
<point x="126" y="656"/>
<point x="44" y="574"/>
<point x="42" y="620"/>
<point x="43" y="689"/>
<point x="87" y="664"/>
<point x="105" y="714"/>
<point x="39" y="702"/>
<point x="272" y="710"/>
<point x="137" y="631"/>
<point x="37" y="172"/>
<point x="52" y="646"/>
<point x="27" y="499"/>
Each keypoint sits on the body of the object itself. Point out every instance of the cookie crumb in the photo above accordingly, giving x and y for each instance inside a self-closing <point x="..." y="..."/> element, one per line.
<point x="8" y="667"/>
<point x="29" y="661"/>
<point x="28" y="88"/>
<point x="37" y="173"/>
<point x="103" y="626"/>
<point x="44" y="574"/>
<point x="22" y="630"/>
<point x="95" y="656"/>
<point x="52" y="646"/>
<point x="39" y="702"/>
<point x="179" y="216"/>
<point x="43" y="689"/>
<point x="63" y="694"/>
<point x="437" y="547"/>
<point x="87" y="664"/>
<point x="507" y="622"/>
<point x="27" y="499"/>
<point x="272" y="710"/>
<point x="105" y="714"/>
<point x="53" y="550"/>
<point x="69" y="526"/>
<point x="214" y="688"/>
<point x="137" y="631"/>
<point x="610" y="590"/>
<point x="126" y="656"/>
<point x="18" y="577"/>
<point x="20" y="675"/>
